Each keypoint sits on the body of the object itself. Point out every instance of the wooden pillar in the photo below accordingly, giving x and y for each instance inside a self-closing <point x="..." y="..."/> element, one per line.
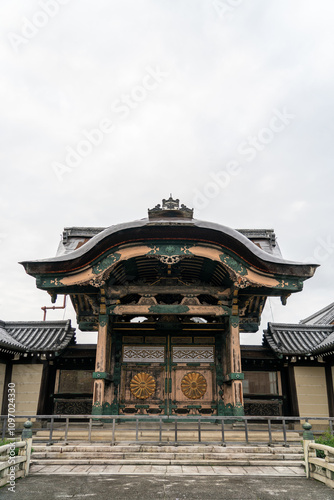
<point x="8" y="379"/>
<point x="233" y="392"/>
<point x="47" y="388"/>
<point x="102" y="377"/>
<point x="294" y="407"/>
<point x="330" y="390"/>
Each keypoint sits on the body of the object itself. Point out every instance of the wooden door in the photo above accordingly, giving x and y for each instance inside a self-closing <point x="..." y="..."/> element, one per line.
<point x="168" y="379"/>
<point x="193" y="380"/>
<point x="143" y="380"/>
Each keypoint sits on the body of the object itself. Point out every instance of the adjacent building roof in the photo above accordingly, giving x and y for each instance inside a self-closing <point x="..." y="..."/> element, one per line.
<point x="306" y="340"/>
<point x="326" y="346"/>
<point x="35" y="336"/>
<point x="323" y="317"/>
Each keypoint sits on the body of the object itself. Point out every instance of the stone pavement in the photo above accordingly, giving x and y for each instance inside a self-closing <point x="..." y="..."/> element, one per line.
<point x="169" y="470"/>
<point x="155" y="487"/>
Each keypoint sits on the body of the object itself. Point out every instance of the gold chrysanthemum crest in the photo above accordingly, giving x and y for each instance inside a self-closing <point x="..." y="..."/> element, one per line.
<point x="142" y="385"/>
<point x="193" y="385"/>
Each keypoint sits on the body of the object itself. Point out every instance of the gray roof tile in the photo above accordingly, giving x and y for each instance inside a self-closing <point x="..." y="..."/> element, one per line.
<point x="35" y="336"/>
<point x="298" y="339"/>
<point x="324" y="317"/>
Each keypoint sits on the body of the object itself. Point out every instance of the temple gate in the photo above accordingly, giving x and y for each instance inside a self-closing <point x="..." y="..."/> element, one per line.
<point x="168" y="296"/>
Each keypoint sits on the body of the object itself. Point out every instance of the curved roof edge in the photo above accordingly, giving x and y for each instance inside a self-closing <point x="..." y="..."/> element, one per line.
<point x="35" y="336"/>
<point x="138" y="225"/>
<point x="297" y="339"/>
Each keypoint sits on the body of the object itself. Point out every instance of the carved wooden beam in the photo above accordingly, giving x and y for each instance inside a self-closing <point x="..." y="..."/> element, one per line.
<point x="177" y="309"/>
<point x="122" y="291"/>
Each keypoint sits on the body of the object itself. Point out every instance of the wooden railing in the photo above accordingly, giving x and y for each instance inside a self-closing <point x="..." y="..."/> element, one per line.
<point x="318" y="468"/>
<point x="15" y="459"/>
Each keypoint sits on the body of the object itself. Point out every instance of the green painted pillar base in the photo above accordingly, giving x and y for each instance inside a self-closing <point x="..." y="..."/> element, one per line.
<point x="105" y="409"/>
<point x="230" y="410"/>
<point x="238" y="410"/>
<point x="97" y="410"/>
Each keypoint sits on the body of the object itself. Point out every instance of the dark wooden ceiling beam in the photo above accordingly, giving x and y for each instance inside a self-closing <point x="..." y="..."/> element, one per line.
<point x="123" y="290"/>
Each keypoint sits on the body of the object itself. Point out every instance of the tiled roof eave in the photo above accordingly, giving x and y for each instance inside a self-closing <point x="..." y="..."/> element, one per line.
<point x="49" y="338"/>
<point x="299" y="340"/>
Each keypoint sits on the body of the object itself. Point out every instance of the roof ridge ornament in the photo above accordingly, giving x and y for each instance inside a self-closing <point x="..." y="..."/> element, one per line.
<point x="170" y="208"/>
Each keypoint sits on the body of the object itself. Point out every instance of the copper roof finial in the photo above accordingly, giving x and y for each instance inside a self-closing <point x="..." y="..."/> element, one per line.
<point x="170" y="208"/>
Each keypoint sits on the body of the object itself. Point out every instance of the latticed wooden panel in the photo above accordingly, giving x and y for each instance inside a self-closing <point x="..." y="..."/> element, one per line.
<point x="73" y="407"/>
<point x="270" y="409"/>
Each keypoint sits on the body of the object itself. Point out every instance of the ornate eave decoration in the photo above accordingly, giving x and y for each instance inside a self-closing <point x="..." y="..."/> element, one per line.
<point x="170" y="208"/>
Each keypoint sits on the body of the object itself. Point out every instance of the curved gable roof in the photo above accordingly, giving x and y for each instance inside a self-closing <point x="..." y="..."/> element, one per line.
<point x="171" y="229"/>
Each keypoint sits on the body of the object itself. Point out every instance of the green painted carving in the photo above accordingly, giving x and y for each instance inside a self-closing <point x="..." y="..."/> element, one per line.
<point x="250" y="327"/>
<point x="234" y="321"/>
<point x="106" y="262"/>
<point x="238" y="410"/>
<point x="293" y="284"/>
<point x="49" y="282"/>
<point x="105" y="409"/>
<point x="171" y="249"/>
<point x="102" y="375"/>
<point x="103" y="320"/>
<point x="226" y="311"/>
<point x="233" y="376"/>
<point x="233" y="264"/>
<point x="230" y="410"/>
<point x="168" y="309"/>
<point x="87" y="326"/>
<point x="110" y="309"/>
<point x="97" y="409"/>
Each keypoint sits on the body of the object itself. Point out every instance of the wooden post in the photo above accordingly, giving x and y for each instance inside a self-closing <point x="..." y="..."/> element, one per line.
<point x="307" y="439"/>
<point x="27" y="437"/>
<point x="102" y="365"/>
<point x="233" y="392"/>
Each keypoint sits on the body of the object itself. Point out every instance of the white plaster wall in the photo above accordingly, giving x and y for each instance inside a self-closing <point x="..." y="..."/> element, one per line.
<point x="311" y="391"/>
<point x="27" y="379"/>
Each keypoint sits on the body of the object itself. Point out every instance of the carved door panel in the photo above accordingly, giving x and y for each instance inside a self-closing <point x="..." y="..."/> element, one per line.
<point x="167" y="380"/>
<point x="193" y="382"/>
<point x="143" y="378"/>
<point x="192" y="390"/>
<point x="142" y="389"/>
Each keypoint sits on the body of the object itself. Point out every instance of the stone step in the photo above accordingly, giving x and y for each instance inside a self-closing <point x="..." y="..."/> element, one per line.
<point x="272" y="463"/>
<point x="167" y="456"/>
<point x="221" y="450"/>
<point x="168" y="448"/>
<point x="167" y="436"/>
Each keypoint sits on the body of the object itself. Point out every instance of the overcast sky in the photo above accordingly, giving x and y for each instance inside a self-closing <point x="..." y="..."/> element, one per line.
<point x="109" y="106"/>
